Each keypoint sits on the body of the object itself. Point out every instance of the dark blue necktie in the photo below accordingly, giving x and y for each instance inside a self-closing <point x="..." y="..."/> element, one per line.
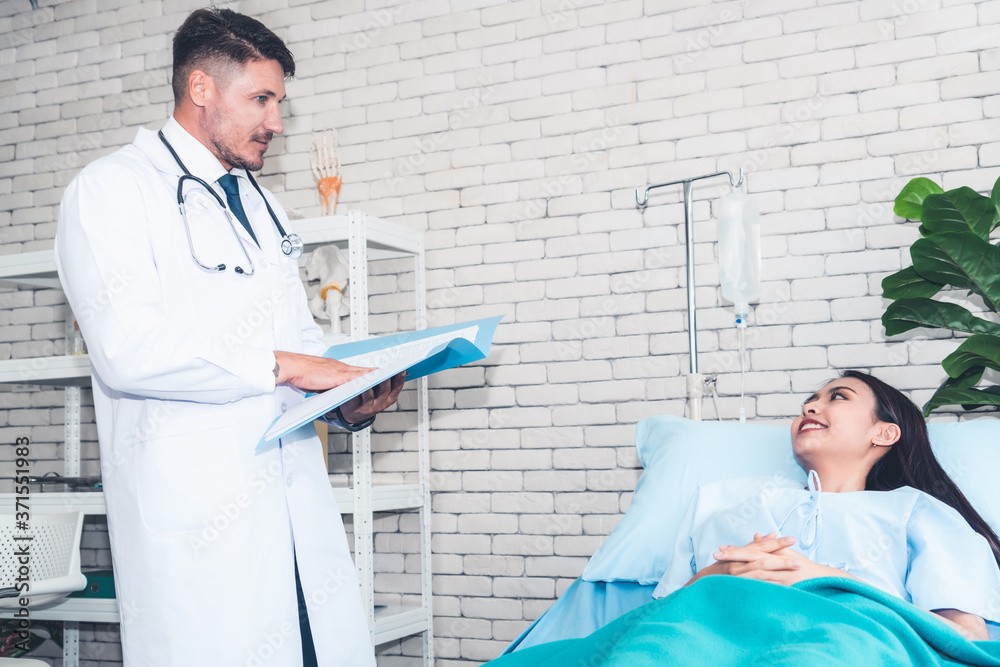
<point x="232" y="189"/>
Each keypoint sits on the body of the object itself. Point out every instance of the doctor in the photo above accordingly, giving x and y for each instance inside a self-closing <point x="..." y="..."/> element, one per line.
<point x="199" y="336"/>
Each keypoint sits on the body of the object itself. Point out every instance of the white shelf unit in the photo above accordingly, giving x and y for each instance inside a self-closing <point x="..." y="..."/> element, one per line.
<point x="364" y="238"/>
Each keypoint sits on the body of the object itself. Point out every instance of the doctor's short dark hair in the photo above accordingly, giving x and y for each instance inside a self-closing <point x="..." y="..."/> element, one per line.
<point x="213" y="39"/>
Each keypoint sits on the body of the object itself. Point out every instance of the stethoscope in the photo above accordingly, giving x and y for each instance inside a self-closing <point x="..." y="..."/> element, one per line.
<point x="291" y="244"/>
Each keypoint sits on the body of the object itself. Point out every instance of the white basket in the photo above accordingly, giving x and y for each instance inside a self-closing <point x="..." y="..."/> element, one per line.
<point x="53" y="557"/>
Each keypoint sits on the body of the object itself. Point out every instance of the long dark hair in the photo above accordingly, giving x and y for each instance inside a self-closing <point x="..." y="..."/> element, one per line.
<point x="911" y="462"/>
<point x="222" y="37"/>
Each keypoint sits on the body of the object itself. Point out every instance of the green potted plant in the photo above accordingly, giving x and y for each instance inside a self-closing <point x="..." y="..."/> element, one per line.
<point x="953" y="253"/>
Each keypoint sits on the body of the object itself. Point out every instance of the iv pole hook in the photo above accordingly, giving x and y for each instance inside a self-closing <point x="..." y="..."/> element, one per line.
<point x="642" y="194"/>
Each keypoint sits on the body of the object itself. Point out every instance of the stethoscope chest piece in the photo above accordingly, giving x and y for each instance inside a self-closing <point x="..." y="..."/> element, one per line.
<point x="292" y="245"/>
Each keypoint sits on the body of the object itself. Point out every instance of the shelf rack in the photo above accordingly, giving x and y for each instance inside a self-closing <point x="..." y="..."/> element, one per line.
<point x="365" y="239"/>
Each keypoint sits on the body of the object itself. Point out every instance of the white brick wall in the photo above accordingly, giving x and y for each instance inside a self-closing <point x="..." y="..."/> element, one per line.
<point x="514" y="135"/>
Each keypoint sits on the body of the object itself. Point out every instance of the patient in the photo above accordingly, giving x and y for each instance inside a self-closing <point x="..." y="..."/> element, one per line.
<point x="878" y="507"/>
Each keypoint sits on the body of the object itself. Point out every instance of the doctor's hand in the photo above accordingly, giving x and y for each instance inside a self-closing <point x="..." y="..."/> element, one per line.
<point x="310" y="373"/>
<point x="375" y="400"/>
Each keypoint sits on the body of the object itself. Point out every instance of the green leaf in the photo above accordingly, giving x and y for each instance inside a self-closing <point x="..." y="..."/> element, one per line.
<point x="966" y="380"/>
<point x="978" y="351"/>
<point x="960" y="259"/>
<point x="906" y="314"/>
<point x="969" y="399"/>
<point x="907" y="284"/>
<point x="910" y="200"/>
<point x="993" y="390"/>
<point x="959" y="210"/>
<point x="995" y="196"/>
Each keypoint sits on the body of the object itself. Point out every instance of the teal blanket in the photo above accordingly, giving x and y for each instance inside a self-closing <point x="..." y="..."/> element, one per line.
<point x="734" y="621"/>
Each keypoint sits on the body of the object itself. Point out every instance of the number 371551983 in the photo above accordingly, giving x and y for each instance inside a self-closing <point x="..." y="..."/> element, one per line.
<point x="22" y="451"/>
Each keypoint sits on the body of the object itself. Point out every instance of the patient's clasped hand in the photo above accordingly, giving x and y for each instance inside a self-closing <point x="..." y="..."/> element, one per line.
<point x="878" y="508"/>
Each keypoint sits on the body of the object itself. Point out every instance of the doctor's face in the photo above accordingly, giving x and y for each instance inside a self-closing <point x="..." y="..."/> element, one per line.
<point x="244" y="116"/>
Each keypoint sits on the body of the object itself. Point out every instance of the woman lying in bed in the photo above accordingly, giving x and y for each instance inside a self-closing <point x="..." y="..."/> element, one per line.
<point x="878" y="507"/>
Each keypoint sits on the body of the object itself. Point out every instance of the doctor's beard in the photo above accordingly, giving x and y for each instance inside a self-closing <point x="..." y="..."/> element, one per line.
<point x="229" y="156"/>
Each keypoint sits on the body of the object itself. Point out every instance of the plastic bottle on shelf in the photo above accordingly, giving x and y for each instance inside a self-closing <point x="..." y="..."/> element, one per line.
<point x="77" y="345"/>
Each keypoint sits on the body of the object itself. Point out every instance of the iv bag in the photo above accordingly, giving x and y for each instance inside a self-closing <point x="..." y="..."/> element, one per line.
<point x="739" y="252"/>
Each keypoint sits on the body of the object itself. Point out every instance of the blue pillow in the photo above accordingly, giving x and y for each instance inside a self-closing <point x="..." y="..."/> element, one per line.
<point x="679" y="455"/>
<point x="970" y="453"/>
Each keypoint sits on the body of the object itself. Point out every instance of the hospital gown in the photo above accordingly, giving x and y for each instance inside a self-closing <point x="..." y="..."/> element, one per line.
<point x="904" y="541"/>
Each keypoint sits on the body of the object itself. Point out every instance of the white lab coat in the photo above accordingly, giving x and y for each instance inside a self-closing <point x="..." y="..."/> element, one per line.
<point x="202" y="526"/>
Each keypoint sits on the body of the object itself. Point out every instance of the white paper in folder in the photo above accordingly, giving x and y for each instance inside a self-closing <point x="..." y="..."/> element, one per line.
<point x="418" y="353"/>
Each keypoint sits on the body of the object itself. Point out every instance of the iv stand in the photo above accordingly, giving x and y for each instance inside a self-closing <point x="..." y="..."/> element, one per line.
<point x="696" y="382"/>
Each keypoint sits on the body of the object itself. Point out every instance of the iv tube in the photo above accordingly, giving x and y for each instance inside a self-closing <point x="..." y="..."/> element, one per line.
<point x="741" y="338"/>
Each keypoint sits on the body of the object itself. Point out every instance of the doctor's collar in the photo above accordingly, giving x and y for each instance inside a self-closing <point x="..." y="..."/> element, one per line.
<point x="196" y="155"/>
